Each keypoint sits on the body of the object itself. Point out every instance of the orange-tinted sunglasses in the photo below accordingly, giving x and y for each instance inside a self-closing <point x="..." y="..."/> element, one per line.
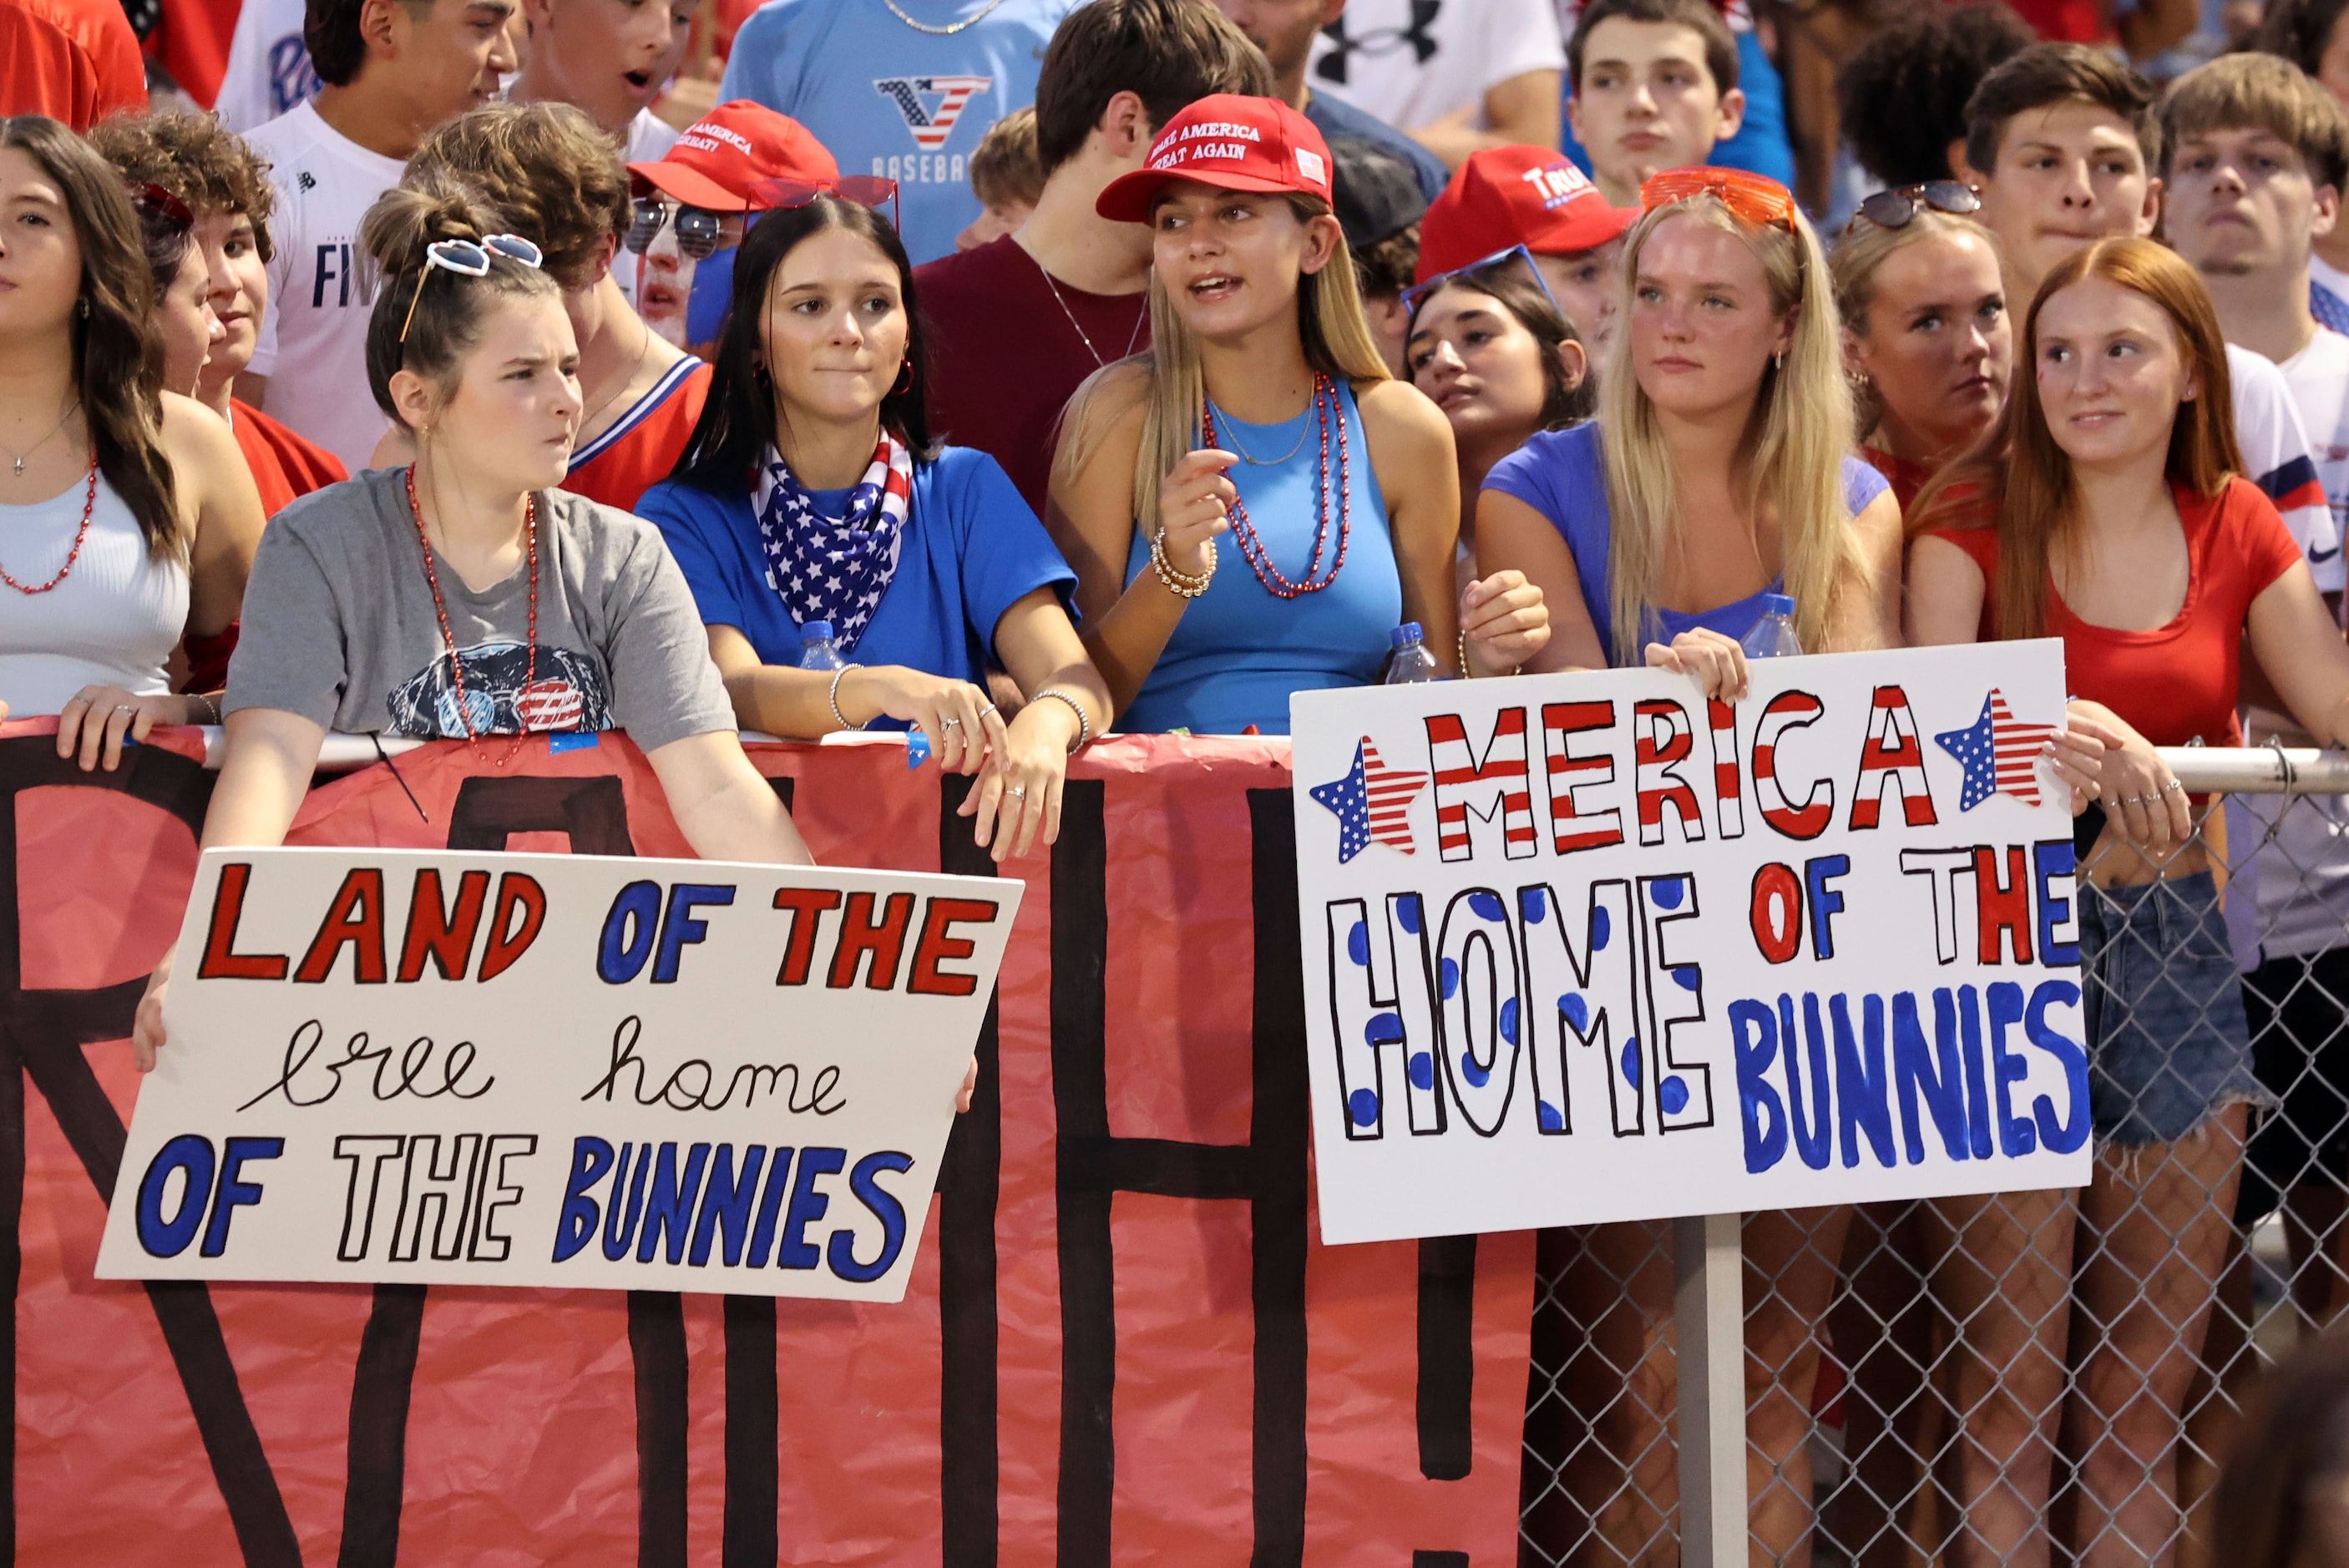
<point x="1753" y="197"/>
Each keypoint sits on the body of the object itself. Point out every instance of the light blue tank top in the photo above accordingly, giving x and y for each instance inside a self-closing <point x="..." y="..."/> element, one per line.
<point x="1240" y="650"/>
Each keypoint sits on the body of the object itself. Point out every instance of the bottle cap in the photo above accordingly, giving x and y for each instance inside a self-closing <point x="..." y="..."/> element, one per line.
<point x="1402" y="636"/>
<point x="1777" y="603"/>
<point x="821" y="630"/>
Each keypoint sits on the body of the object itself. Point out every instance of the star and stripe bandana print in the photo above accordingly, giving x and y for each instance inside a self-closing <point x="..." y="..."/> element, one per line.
<point x="835" y="568"/>
<point x="1372" y="801"/>
<point x="1999" y="755"/>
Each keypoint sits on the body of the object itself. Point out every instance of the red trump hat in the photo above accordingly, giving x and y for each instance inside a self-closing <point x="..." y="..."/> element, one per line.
<point x="732" y="148"/>
<point x="1227" y="140"/>
<point x="1505" y="196"/>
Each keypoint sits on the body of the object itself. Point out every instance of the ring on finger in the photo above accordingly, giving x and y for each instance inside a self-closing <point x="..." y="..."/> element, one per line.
<point x="2173" y="786"/>
<point x="1018" y="791"/>
<point x="125" y="707"/>
<point x="953" y="723"/>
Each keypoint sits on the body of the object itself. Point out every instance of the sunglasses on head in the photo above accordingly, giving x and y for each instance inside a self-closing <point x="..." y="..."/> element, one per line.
<point x="785" y="192"/>
<point x="1751" y="197"/>
<point x="161" y="202"/>
<point x="1896" y="209"/>
<point x="468" y="260"/>
<point x="698" y="230"/>
<point x="1415" y="295"/>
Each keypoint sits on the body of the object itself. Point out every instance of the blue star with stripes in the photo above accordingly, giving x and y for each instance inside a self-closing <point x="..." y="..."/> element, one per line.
<point x="1369" y="803"/>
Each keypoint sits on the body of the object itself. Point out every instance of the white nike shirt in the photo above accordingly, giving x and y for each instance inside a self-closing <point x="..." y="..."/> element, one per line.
<point x="313" y="342"/>
<point x="2280" y="457"/>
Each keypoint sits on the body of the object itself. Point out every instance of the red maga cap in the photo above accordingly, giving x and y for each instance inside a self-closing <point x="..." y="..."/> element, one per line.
<point x="1228" y="141"/>
<point x="730" y="148"/>
<point x="1504" y="196"/>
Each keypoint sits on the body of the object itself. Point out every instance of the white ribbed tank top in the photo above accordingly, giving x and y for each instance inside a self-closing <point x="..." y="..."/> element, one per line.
<point x="115" y="618"/>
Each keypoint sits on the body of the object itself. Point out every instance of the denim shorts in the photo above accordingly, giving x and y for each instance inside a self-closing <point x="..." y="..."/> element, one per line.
<point x="2167" y="1046"/>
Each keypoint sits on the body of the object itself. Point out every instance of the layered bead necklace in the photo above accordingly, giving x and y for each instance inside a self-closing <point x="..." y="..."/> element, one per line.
<point x="1252" y="547"/>
<point x="456" y="659"/>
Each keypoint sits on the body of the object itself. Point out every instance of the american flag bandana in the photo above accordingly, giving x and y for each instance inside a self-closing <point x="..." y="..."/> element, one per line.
<point x="835" y="568"/>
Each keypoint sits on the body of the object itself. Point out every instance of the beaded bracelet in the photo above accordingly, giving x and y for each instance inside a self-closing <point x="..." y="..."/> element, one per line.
<point x="1182" y="584"/>
<point x="835" y="695"/>
<point x="1084" y="725"/>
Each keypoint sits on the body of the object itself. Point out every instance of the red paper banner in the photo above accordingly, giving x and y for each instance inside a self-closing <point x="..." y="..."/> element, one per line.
<point x="1123" y="1340"/>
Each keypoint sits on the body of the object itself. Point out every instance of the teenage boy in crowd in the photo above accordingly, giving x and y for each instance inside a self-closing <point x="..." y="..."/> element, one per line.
<point x="1284" y="30"/>
<point x="1015" y="324"/>
<point x="2258" y="156"/>
<point x="1532" y="197"/>
<point x="1006" y="177"/>
<point x="393" y="71"/>
<point x="1458" y="75"/>
<point x="898" y="89"/>
<point x="1376" y="197"/>
<point x="2062" y="140"/>
<point x="1655" y="86"/>
<point x="609" y="57"/>
<point x="2309" y="34"/>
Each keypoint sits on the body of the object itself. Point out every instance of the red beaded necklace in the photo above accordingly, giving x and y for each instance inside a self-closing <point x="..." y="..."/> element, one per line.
<point x="89" y="505"/>
<point x="456" y="661"/>
<point x="1259" y="559"/>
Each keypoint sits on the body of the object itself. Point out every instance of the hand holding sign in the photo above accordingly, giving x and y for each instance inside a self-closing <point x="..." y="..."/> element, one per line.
<point x="1591" y="947"/>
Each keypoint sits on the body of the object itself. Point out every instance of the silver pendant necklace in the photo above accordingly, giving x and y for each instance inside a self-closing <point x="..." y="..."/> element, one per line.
<point x="18" y="461"/>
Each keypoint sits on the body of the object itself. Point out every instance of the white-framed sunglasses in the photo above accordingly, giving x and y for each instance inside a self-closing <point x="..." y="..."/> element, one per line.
<point x="468" y="258"/>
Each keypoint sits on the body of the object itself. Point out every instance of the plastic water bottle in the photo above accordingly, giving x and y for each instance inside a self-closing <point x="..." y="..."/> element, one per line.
<point x="1772" y="637"/>
<point x="1411" y="663"/>
<point x="817" y="650"/>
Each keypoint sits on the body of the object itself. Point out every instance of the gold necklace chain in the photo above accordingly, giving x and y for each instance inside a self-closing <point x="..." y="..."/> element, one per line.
<point x="946" y="31"/>
<point x="1251" y="458"/>
<point x="626" y="381"/>
<point x="1082" y="335"/>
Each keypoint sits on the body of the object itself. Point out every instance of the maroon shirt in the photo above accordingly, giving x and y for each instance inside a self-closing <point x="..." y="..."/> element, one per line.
<point x="1005" y="356"/>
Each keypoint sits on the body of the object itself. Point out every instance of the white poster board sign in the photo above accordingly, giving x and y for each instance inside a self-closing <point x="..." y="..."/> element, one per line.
<point x="478" y="1068"/>
<point x="1585" y="947"/>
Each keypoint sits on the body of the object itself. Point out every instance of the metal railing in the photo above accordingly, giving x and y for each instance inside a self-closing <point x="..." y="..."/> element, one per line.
<point x="2027" y="1378"/>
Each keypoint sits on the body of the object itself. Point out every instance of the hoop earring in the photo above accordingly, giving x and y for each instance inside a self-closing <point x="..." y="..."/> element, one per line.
<point x="905" y="381"/>
<point x="82" y="305"/>
<point x="1778" y="360"/>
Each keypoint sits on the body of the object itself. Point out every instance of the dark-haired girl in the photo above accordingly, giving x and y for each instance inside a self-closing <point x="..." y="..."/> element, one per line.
<point x="1496" y="355"/>
<point x="811" y="492"/>
<point x="127" y="517"/>
<point x="464" y="597"/>
<point x="2107" y="508"/>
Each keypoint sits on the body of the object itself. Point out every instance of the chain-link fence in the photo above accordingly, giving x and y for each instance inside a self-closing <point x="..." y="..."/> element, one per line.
<point x="2032" y="1377"/>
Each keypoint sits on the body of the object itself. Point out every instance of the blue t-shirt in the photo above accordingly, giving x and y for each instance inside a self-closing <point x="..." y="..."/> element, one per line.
<point x="1239" y="649"/>
<point x="1334" y="117"/>
<point x="1562" y="474"/>
<point x="1760" y="146"/>
<point x="972" y="550"/>
<point x="887" y="100"/>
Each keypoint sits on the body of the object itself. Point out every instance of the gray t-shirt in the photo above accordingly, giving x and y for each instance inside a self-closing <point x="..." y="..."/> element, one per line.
<point x="340" y="626"/>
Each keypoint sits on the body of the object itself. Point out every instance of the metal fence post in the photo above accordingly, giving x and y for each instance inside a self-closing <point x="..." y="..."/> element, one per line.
<point x="1709" y="1310"/>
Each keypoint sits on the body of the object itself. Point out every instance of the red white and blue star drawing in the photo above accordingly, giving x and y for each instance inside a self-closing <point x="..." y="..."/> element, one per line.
<point x="1999" y="756"/>
<point x="1372" y="801"/>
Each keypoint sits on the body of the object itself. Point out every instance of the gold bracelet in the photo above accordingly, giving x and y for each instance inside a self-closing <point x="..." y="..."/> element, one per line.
<point x="1465" y="673"/>
<point x="1182" y="585"/>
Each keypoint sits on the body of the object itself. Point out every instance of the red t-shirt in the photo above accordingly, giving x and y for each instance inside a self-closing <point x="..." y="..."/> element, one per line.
<point x="2178" y="682"/>
<point x="642" y="445"/>
<point x="284" y="466"/>
<point x="1005" y="353"/>
<point x="74" y="60"/>
<point x="1907" y="478"/>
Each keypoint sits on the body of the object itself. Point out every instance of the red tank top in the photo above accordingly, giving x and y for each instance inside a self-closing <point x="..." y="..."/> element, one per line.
<point x="2178" y="682"/>
<point x="643" y="445"/>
